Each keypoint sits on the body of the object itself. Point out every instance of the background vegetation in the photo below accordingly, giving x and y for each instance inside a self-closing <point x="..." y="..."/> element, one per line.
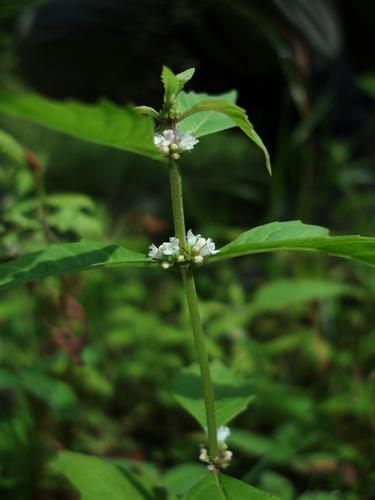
<point x="87" y="360"/>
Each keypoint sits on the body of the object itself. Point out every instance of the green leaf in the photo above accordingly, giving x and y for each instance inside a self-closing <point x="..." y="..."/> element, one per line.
<point x="66" y="257"/>
<point x="56" y="394"/>
<point x="232" y="393"/>
<point x="206" y="122"/>
<point x="295" y="235"/>
<point x="10" y="147"/>
<point x="278" y="485"/>
<point x="279" y="294"/>
<point x="96" y="479"/>
<point x="147" y="111"/>
<point x="220" y="486"/>
<point x="236" y="115"/>
<point x="173" y="84"/>
<point x="182" y="478"/>
<point x="102" y="123"/>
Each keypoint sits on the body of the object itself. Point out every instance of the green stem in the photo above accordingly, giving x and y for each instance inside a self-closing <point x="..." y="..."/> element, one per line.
<point x="193" y="306"/>
<point x="177" y="203"/>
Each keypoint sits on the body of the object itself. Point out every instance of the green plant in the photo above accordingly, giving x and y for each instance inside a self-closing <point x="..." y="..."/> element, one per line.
<point x="213" y="395"/>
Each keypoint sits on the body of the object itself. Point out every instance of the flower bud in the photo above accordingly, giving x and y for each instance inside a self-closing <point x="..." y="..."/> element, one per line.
<point x="165" y="265"/>
<point x="180" y="258"/>
<point x="198" y="259"/>
<point x="175" y="156"/>
<point x="203" y="456"/>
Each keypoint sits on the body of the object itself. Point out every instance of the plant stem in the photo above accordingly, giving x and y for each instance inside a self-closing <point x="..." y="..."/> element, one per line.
<point x="193" y="306"/>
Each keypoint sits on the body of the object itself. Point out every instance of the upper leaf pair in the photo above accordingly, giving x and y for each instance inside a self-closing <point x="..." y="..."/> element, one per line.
<point x="128" y="128"/>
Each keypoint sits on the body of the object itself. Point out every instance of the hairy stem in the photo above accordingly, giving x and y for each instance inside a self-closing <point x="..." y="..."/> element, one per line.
<point x="193" y="306"/>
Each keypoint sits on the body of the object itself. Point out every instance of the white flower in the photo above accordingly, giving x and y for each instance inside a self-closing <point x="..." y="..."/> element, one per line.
<point x="154" y="252"/>
<point x="192" y="238"/>
<point x="171" y="142"/>
<point x="223" y="433"/>
<point x="166" y="249"/>
<point x="170" y="248"/>
<point x="187" y="141"/>
<point x="203" y="455"/>
<point x="208" y="248"/>
<point x="196" y="250"/>
<point x="199" y="245"/>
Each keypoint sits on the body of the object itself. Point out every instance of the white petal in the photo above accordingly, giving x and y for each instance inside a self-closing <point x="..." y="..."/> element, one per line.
<point x="187" y="142"/>
<point x="192" y="238"/>
<point x="223" y="433"/>
<point x="209" y="248"/>
<point x="153" y="252"/>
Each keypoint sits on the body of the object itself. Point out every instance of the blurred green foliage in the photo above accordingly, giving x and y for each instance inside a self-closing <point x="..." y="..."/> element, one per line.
<point x="86" y="361"/>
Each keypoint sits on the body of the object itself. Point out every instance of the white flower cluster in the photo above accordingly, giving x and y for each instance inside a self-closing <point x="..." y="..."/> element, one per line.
<point x="224" y="456"/>
<point x="170" y="252"/>
<point x="199" y="247"/>
<point x="172" y="142"/>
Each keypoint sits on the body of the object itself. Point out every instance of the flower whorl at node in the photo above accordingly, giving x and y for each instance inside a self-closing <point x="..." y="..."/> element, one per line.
<point x="171" y="253"/>
<point x="223" y="457"/>
<point x="172" y="142"/>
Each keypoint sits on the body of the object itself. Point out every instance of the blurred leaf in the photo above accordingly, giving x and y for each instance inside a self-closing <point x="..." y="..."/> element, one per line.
<point x="215" y="486"/>
<point x="278" y="485"/>
<point x="66" y="257"/>
<point x="283" y="293"/>
<point x="232" y="393"/>
<point x="206" y="122"/>
<point x="295" y="235"/>
<point x="102" y="123"/>
<point x="236" y="114"/>
<point x="96" y="479"/>
<point x="250" y="443"/>
<point x="173" y="84"/>
<point x="10" y="147"/>
<point x="182" y="478"/>
<point x="57" y="394"/>
<point x="367" y="84"/>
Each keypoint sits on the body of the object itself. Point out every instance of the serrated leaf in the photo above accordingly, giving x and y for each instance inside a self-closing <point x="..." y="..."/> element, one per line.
<point x="102" y="123"/>
<point x="173" y="84"/>
<point x="66" y="257"/>
<point x="235" y="114"/>
<point x="207" y="122"/>
<point x="232" y="393"/>
<point x="96" y="479"/>
<point x="220" y="486"/>
<point x="295" y="235"/>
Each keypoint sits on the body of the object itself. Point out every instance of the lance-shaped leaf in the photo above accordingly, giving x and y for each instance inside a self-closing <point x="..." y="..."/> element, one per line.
<point x="206" y="122"/>
<point x="220" y="486"/>
<point x="295" y="235"/>
<point x="66" y="257"/>
<point x="96" y="479"/>
<point x="236" y="115"/>
<point x="102" y="123"/>
<point x="232" y="393"/>
<point x="173" y="84"/>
